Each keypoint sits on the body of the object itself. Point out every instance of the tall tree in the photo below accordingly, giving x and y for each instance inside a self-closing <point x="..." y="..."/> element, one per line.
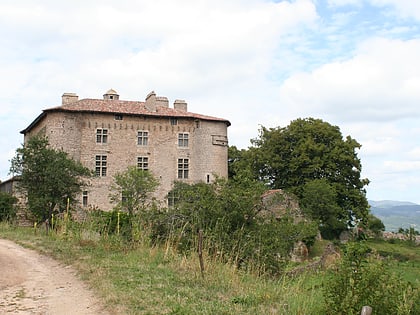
<point x="47" y="177"/>
<point x="307" y="150"/>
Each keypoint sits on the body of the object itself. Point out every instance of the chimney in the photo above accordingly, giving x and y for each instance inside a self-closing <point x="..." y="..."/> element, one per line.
<point x="151" y="101"/>
<point x="180" y="105"/>
<point x="162" y="101"/>
<point x="68" y="98"/>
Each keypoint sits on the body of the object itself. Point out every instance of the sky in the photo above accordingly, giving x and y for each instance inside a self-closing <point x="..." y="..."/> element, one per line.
<point x="352" y="63"/>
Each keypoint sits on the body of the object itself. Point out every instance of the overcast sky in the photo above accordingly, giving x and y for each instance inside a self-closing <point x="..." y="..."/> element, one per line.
<point x="352" y="63"/>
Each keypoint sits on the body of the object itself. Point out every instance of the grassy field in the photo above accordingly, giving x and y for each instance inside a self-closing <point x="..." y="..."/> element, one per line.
<point x="404" y="258"/>
<point x="144" y="280"/>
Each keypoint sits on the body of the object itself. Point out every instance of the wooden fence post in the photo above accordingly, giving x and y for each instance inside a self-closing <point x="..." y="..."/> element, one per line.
<point x="366" y="310"/>
<point x="200" y="251"/>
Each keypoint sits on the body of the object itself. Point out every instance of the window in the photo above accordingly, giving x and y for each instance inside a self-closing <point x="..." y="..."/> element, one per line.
<point x="101" y="135"/>
<point x="183" y="168"/>
<point x="142" y="137"/>
<point x="85" y="198"/>
<point x="173" y="198"/>
<point x="143" y="163"/>
<point x="183" y="139"/>
<point x="118" y="117"/>
<point x="100" y="165"/>
<point x="174" y="121"/>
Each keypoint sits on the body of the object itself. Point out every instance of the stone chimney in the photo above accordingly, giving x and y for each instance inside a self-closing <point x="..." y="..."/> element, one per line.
<point x="180" y="105"/>
<point x="151" y="101"/>
<point x="162" y="101"/>
<point x="111" y="95"/>
<point x="68" y="98"/>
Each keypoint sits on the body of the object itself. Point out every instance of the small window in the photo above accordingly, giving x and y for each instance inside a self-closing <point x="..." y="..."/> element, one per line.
<point x="85" y="198"/>
<point x="174" y="121"/>
<point x="142" y="137"/>
<point x="173" y="198"/>
<point x="143" y="163"/>
<point x="208" y="179"/>
<point x="183" y="139"/>
<point x="101" y="135"/>
<point x="118" y="117"/>
<point x="100" y="165"/>
<point x="183" y="168"/>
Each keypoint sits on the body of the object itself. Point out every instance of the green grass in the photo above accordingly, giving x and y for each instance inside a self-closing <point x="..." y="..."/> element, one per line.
<point x="143" y="280"/>
<point x="404" y="258"/>
<point x="138" y="279"/>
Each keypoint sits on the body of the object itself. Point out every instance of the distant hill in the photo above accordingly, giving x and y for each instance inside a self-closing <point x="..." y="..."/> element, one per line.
<point x="396" y="214"/>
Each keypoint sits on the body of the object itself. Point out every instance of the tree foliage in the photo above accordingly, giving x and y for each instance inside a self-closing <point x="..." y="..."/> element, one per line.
<point x="47" y="177"/>
<point x="7" y="206"/>
<point x="309" y="150"/>
<point x="131" y="192"/>
<point x="132" y="188"/>
<point x="228" y="212"/>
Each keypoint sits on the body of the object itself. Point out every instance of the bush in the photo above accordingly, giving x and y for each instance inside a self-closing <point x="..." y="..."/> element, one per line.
<point x="361" y="279"/>
<point x="227" y="213"/>
<point x="108" y="223"/>
<point x="7" y="207"/>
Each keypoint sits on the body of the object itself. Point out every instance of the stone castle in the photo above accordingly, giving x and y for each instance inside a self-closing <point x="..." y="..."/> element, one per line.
<point x="107" y="135"/>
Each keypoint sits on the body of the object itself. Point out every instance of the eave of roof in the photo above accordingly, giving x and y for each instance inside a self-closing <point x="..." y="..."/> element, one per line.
<point x="132" y="108"/>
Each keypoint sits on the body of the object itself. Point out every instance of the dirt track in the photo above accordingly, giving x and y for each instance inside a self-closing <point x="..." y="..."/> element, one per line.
<point x="31" y="283"/>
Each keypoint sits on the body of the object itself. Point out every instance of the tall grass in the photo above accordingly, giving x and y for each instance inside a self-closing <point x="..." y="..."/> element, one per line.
<point x="138" y="279"/>
<point x="144" y="277"/>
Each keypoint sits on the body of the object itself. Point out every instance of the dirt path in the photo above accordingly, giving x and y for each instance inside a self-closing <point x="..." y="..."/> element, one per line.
<point x="31" y="283"/>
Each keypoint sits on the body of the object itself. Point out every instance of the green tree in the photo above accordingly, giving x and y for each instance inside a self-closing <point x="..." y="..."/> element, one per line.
<point x="7" y="206"/>
<point x="319" y="202"/>
<point x="131" y="192"/>
<point x="375" y="225"/>
<point x="307" y="150"/>
<point x="47" y="177"/>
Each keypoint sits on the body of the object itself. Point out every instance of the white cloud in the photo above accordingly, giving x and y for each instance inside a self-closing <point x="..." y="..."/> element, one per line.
<point x="405" y="8"/>
<point x="228" y="59"/>
<point x="380" y="76"/>
<point x="336" y="3"/>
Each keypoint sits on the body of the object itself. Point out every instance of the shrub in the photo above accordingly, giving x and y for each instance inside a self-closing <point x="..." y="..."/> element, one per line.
<point x="361" y="279"/>
<point x="7" y="206"/>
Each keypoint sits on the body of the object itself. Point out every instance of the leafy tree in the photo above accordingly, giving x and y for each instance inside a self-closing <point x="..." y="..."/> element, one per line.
<point x="375" y="225"/>
<point x="47" y="177"/>
<point x="238" y="163"/>
<point x="319" y="202"/>
<point x="307" y="150"/>
<point x="7" y="206"/>
<point x="131" y="191"/>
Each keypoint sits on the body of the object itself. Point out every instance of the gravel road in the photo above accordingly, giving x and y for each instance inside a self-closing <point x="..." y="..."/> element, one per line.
<point x="31" y="283"/>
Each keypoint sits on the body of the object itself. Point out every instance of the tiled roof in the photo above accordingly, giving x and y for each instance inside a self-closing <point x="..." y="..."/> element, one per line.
<point x="135" y="108"/>
<point x="128" y="108"/>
